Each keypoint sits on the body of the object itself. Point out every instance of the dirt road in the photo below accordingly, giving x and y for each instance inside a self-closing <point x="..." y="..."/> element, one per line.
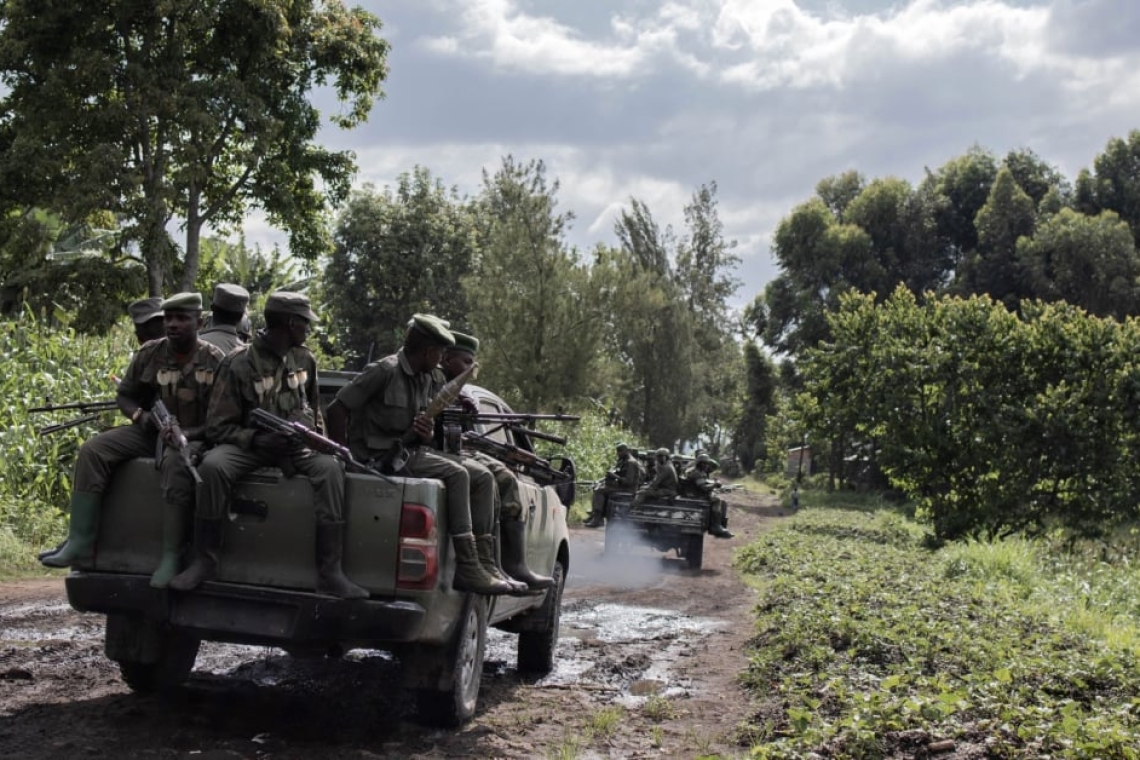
<point x="648" y="657"/>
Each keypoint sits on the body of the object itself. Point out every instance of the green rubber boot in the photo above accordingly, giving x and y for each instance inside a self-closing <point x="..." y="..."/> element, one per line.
<point x="82" y="529"/>
<point x="174" y="525"/>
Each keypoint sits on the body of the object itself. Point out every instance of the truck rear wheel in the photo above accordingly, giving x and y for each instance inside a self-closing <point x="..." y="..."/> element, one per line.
<point x="695" y="552"/>
<point x="536" y="648"/>
<point x="151" y="656"/>
<point x="455" y="705"/>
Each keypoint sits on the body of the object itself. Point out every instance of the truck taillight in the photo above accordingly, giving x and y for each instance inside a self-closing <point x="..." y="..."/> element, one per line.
<point x="419" y="548"/>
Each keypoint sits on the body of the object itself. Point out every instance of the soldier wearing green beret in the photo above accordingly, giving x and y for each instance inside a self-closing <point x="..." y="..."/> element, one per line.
<point x="372" y="414"/>
<point x="508" y="509"/>
<point x="624" y="477"/>
<point x="698" y="481"/>
<point x="179" y="369"/>
<point x="227" y="310"/>
<point x="664" y="483"/>
<point x="146" y="315"/>
<point x="276" y="373"/>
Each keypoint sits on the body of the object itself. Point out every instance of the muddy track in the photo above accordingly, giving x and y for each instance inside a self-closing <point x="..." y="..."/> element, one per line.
<point x="647" y="662"/>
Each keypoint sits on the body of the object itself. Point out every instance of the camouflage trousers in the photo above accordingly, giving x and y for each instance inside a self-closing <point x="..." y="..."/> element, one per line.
<point x="653" y="493"/>
<point x="101" y="454"/>
<point x="224" y="465"/>
<point x="470" y="489"/>
<point x="510" y="505"/>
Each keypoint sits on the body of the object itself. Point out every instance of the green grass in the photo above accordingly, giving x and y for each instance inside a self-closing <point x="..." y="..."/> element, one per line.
<point x="869" y="645"/>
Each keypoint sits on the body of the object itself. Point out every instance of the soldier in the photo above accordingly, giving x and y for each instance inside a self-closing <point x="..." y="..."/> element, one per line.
<point x="508" y="506"/>
<point x="664" y="483"/>
<point x="371" y="416"/>
<point x="178" y="369"/>
<point x="146" y="313"/>
<point x="276" y="373"/>
<point x="697" y="479"/>
<point x="625" y="477"/>
<point x="226" y="317"/>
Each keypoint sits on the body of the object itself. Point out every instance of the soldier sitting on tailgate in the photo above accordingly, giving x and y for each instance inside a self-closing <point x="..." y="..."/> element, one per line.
<point x="697" y="481"/>
<point x="664" y="483"/>
<point x="624" y="477"/>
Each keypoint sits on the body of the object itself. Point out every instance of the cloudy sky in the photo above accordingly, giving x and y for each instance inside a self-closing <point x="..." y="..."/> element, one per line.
<point x="765" y="97"/>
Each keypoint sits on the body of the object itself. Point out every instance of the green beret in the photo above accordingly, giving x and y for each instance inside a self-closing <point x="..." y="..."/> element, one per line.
<point x="291" y="304"/>
<point x="434" y="327"/>
<point x="145" y="309"/>
<point x="183" y="302"/>
<point x="622" y="446"/>
<point x="703" y="457"/>
<point x="230" y="297"/>
<point x="464" y="342"/>
<point x="662" y="452"/>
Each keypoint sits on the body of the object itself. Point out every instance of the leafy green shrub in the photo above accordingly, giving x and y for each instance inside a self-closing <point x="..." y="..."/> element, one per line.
<point x="57" y="365"/>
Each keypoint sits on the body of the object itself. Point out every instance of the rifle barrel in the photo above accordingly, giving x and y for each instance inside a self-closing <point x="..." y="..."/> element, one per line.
<point x="537" y="434"/>
<point x="519" y="417"/>
<point x="82" y="406"/>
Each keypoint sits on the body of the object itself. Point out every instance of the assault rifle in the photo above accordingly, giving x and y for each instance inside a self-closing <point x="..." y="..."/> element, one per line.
<point x="309" y="438"/>
<point x="167" y="422"/>
<point x="397" y="458"/>
<point x="514" y="422"/>
<point x="511" y="454"/>
<point x="90" y="411"/>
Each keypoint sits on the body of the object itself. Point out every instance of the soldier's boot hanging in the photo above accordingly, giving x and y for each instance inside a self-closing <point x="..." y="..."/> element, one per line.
<point x="514" y="556"/>
<point x="82" y="528"/>
<point x="207" y="550"/>
<point x="719" y="523"/>
<point x="485" y="546"/>
<point x="174" y="524"/>
<point x="597" y="510"/>
<point x="330" y="552"/>
<point x="469" y="572"/>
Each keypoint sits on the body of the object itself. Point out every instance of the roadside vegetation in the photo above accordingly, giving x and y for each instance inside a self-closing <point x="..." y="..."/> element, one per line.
<point x="870" y="644"/>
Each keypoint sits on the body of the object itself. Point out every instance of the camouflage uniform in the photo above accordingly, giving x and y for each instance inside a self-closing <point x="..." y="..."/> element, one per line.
<point x="154" y="373"/>
<point x="254" y="377"/>
<point x="383" y="401"/>
<point x="224" y="337"/>
<point x="663" y="485"/>
<point x="696" y="481"/>
<point x="625" y="477"/>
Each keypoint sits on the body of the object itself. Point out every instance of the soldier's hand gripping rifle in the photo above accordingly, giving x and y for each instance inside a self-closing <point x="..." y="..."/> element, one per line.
<point x="309" y="438"/>
<point x="89" y="412"/>
<point x="168" y="425"/>
<point x="397" y="460"/>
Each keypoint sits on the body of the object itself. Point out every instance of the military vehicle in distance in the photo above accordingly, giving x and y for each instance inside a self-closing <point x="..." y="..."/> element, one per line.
<point x="675" y="523"/>
<point x="397" y="546"/>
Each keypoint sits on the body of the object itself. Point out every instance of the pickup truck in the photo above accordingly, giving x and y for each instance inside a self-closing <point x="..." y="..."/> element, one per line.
<point x="396" y="546"/>
<point x="675" y="523"/>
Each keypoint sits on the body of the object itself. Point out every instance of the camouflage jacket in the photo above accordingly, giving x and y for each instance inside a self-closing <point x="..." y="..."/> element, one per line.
<point x="627" y="474"/>
<point x="224" y="337"/>
<point x="252" y="377"/>
<point x="665" y="479"/>
<point x="382" y="402"/>
<point x="154" y="373"/>
<point x="698" y="482"/>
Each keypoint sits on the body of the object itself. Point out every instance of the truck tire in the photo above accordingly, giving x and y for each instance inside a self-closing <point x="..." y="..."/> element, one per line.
<point x="695" y="552"/>
<point x="536" y="648"/>
<point x="453" y="706"/>
<point x="163" y="663"/>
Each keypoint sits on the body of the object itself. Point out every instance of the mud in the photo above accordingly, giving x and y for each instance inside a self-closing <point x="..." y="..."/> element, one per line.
<point x="647" y="664"/>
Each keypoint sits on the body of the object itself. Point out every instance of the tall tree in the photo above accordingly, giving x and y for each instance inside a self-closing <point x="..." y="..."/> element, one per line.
<point x="397" y="252"/>
<point x="1088" y="261"/>
<point x="1008" y="215"/>
<point x="191" y="111"/>
<point x="529" y="293"/>
<point x="751" y="431"/>
<point x="962" y="186"/>
<point x="1115" y="184"/>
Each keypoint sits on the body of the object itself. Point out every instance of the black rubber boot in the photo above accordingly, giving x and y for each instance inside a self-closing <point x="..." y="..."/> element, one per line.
<point x="514" y="556"/>
<point x="719" y="526"/>
<point x="330" y="551"/>
<point x="207" y="549"/>
<point x="597" y="510"/>
<point x="469" y="572"/>
<point x="485" y="545"/>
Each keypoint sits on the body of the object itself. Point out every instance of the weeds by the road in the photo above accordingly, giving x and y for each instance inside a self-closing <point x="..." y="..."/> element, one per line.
<point x="870" y="645"/>
<point x="658" y="708"/>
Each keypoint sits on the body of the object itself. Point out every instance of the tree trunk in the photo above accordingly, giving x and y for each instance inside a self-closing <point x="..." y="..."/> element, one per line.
<point x="194" y="223"/>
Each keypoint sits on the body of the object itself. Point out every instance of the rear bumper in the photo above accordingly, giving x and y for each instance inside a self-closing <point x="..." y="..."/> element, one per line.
<point x="249" y="614"/>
